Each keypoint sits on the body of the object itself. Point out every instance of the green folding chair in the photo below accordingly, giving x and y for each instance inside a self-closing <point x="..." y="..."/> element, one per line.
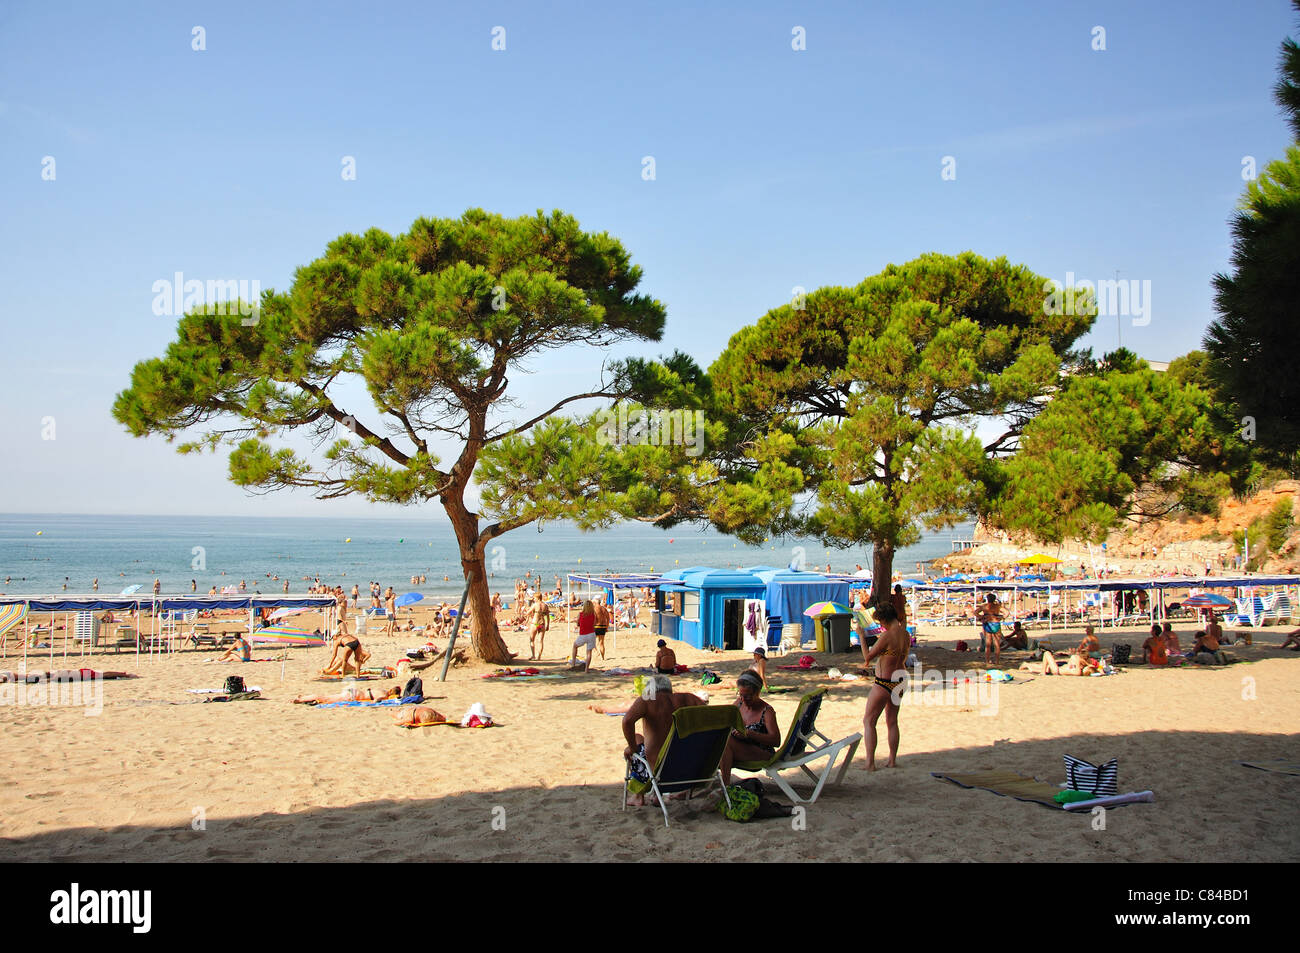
<point x="691" y="754"/>
<point x="804" y="744"/>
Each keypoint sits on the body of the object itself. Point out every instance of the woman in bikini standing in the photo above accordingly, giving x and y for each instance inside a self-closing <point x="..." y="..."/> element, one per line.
<point x="889" y="654"/>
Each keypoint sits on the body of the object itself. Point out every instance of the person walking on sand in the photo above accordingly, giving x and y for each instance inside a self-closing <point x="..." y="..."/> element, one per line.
<point x="390" y="610"/>
<point x="888" y="654"/>
<point x="602" y="626"/>
<point x="586" y="635"/>
<point x="541" y="623"/>
<point x="989" y="615"/>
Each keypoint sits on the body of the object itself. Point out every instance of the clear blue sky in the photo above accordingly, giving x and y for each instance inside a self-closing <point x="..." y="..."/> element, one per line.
<point x="774" y="168"/>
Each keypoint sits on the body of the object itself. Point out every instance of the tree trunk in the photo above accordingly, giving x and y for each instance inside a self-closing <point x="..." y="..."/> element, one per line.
<point x="882" y="572"/>
<point x="485" y="637"/>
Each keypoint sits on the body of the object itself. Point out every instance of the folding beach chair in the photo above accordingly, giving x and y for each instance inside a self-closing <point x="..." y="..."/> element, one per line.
<point x="803" y="745"/>
<point x="690" y="754"/>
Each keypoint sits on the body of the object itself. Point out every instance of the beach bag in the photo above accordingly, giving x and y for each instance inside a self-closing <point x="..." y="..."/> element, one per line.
<point x="1119" y="654"/>
<point x="743" y="804"/>
<point x="234" y="684"/>
<point x="414" y="688"/>
<point x="1097" y="780"/>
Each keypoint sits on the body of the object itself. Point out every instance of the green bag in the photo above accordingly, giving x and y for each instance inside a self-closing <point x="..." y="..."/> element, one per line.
<point x="743" y="804"/>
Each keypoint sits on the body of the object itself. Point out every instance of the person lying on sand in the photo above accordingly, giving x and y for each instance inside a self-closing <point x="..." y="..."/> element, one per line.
<point x="354" y="694"/>
<point x="61" y="675"/>
<point x="1292" y="637"/>
<point x="418" y="715"/>
<point x="1078" y="664"/>
<point x="654" y="709"/>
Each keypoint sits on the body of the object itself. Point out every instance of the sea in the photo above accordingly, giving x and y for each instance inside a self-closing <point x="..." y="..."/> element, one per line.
<point x="54" y="554"/>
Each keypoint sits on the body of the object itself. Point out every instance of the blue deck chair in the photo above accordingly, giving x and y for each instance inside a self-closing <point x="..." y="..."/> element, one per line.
<point x="690" y="755"/>
<point x="803" y="745"/>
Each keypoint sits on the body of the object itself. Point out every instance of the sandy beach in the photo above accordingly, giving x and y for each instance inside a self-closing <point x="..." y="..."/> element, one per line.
<point x="159" y="775"/>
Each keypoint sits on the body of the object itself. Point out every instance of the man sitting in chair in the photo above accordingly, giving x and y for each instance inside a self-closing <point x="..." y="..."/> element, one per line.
<point x="655" y="708"/>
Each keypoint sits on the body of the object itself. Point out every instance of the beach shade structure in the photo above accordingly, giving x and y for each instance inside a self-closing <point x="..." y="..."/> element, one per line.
<point x="1208" y="600"/>
<point x="989" y="579"/>
<point x="909" y="583"/>
<point x="957" y="578"/>
<point x="406" y="598"/>
<point x="1037" y="559"/>
<point x="827" y="608"/>
<point x="132" y="590"/>
<point x="287" y="635"/>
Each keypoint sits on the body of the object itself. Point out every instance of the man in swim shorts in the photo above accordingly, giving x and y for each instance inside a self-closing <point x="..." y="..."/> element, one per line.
<point x="602" y="625"/>
<point x="989" y="615"/>
<point x="655" y="710"/>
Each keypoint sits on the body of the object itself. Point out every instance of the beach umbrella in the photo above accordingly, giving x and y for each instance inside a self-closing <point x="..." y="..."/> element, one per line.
<point x="909" y="583"/>
<point x="282" y="613"/>
<point x="1209" y="600"/>
<point x="11" y="615"/>
<point x="132" y="590"/>
<point x="1038" y="558"/>
<point x="286" y="635"/>
<point x="406" y="598"/>
<point x="827" y="608"/>
<point x="957" y="578"/>
<point x="863" y="574"/>
<point x="989" y="579"/>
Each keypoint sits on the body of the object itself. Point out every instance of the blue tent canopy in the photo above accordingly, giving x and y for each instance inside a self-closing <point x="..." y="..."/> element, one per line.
<point x="44" y="603"/>
<point x="790" y="591"/>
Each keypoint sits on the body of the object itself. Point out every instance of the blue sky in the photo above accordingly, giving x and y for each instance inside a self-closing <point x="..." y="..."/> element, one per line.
<point x="774" y="168"/>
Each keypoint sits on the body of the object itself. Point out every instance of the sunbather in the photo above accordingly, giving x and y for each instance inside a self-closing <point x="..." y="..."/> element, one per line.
<point x="665" y="659"/>
<point x="354" y="694"/>
<point x="240" y="645"/>
<point x="1293" y="636"/>
<point x="1078" y="664"/>
<point x="419" y="715"/>
<point x="62" y="675"/>
<point x="1155" y="650"/>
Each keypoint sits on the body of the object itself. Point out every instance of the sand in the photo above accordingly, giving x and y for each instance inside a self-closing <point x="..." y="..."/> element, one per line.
<point x="158" y="776"/>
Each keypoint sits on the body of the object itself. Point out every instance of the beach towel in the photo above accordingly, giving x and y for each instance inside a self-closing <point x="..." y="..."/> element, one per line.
<point x="386" y="703"/>
<point x="1011" y="784"/>
<point x="348" y="678"/>
<point x="1278" y="766"/>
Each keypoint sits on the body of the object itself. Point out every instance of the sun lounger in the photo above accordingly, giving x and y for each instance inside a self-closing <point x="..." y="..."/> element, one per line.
<point x="690" y="755"/>
<point x="804" y="744"/>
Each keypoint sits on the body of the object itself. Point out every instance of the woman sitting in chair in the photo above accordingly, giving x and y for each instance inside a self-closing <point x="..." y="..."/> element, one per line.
<point x="757" y="741"/>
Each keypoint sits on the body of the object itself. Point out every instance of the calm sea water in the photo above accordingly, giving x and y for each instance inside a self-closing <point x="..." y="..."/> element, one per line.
<point x="38" y="552"/>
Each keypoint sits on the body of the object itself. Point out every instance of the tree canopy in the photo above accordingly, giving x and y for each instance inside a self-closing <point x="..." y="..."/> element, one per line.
<point x="1252" y="342"/>
<point x="433" y="322"/>
<point x="849" y="415"/>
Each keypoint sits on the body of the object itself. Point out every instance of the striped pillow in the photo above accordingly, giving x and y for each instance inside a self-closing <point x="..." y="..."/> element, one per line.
<point x="1083" y="775"/>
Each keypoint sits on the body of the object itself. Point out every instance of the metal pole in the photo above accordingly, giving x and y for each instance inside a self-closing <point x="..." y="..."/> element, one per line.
<point x="455" y="628"/>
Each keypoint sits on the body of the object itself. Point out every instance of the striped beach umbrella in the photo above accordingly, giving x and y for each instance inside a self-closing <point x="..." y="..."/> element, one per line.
<point x="827" y="608"/>
<point x="11" y="615"/>
<point x="1208" y="600"/>
<point x="286" y="635"/>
